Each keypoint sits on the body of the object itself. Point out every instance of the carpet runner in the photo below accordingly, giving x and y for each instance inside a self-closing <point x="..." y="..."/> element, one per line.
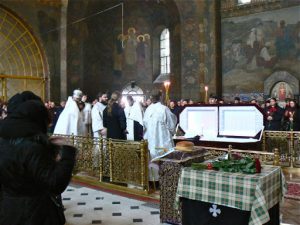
<point x="293" y="190"/>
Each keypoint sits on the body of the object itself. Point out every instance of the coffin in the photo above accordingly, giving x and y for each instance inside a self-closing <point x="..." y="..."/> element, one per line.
<point x="223" y="123"/>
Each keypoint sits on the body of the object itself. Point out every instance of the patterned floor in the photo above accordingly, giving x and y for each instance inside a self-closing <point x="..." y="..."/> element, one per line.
<point x="85" y="206"/>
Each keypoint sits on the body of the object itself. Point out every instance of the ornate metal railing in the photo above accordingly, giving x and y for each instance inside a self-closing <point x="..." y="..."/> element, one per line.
<point x="126" y="162"/>
<point x="114" y="161"/>
<point x="288" y="143"/>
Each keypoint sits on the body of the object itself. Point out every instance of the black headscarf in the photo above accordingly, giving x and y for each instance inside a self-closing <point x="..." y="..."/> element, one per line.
<point x="27" y="116"/>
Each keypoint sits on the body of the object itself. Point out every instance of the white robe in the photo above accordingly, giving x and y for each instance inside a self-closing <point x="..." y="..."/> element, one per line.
<point x="87" y="120"/>
<point x="133" y="113"/>
<point x="97" y="118"/>
<point x="159" y="126"/>
<point x="70" y="120"/>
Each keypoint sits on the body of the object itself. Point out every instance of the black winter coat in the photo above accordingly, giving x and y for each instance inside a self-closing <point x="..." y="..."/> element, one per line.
<point x="115" y="123"/>
<point x="30" y="177"/>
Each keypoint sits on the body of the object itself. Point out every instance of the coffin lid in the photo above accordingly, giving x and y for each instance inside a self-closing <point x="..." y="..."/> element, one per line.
<point x="215" y="121"/>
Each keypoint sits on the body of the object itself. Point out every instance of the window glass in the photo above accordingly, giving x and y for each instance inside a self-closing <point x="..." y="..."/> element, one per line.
<point x="165" y="52"/>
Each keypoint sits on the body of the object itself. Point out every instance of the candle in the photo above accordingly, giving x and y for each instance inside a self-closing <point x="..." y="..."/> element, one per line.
<point x="167" y="86"/>
<point x="206" y="90"/>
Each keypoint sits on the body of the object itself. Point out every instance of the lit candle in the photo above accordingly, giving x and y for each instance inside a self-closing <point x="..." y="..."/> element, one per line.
<point x="167" y="86"/>
<point x="206" y="90"/>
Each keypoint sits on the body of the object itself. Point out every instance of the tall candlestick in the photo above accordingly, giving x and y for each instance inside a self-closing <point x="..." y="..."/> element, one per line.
<point x="167" y="86"/>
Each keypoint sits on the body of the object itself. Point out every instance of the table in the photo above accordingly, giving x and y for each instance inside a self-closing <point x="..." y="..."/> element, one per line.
<point x="170" y="167"/>
<point x="256" y="193"/>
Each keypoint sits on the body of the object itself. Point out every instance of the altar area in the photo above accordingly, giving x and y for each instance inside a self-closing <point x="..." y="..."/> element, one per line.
<point x="123" y="165"/>
<point x="130" y="152"/>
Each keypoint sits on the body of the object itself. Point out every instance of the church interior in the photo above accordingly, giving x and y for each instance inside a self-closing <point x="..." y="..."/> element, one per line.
<point x="186" y="49"/>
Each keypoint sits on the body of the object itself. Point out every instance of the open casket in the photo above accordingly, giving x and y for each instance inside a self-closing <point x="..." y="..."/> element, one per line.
<point x="222" y="123"/>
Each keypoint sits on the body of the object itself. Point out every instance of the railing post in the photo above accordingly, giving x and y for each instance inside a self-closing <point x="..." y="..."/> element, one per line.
<point x="73" y="139"/>
<point x="291" y="150"/>
<point x="264" y="141"/>
<point x="144" y="165"/>
<point x="229" y="151"/>
<point x="276" y="157"/>
<point x="101" y="155"/>
<point x="110" y="144"/>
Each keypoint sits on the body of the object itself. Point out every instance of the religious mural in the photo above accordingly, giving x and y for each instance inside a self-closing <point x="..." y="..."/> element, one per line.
<point x="281" y="91"/>
<point x="132" y="49"/>
<point x="255" y="46"/>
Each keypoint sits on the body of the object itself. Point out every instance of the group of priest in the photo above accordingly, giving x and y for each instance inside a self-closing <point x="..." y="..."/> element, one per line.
<point x="109" y="119"/>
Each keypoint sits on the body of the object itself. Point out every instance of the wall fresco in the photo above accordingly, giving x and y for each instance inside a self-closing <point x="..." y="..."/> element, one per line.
<point x="257" y="45"/>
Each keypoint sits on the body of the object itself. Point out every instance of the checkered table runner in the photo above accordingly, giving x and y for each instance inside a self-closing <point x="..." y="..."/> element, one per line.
<point x="250" y="192"/>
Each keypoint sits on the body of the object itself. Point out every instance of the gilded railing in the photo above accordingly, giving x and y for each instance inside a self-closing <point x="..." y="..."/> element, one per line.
<point x="126" y="162"/>
<point x="288" y="143"/>
<point x="110" y="160"/>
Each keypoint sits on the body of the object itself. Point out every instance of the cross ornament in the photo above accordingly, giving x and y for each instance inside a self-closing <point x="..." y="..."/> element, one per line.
<point x="214" y="210"/>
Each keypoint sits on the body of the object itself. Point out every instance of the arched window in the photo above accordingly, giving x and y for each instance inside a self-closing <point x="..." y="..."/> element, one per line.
<point x="133" y="90"/>
<point x="165" y="52"/>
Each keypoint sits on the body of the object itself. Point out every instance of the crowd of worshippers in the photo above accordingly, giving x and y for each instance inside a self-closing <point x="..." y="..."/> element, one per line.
<point x="283" y="117"/>
<point x="109" y="117"/>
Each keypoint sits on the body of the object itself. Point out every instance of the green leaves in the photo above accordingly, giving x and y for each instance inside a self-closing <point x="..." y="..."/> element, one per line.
<point x="242" y="165"/>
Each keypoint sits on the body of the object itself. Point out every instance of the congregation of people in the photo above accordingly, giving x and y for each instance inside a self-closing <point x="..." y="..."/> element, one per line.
<point x="118" y="115"/>
<point x="106" y="117"/>
<point x="109" y="116"/>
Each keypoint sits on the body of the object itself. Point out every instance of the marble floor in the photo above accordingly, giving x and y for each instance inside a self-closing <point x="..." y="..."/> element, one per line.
<point x="86" y="205"/>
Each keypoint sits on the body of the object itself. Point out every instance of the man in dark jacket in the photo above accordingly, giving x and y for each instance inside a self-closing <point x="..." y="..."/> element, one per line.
<point x="33" y="168"/>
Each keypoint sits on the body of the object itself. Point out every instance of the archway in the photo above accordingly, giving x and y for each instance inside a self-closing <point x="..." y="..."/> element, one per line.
<point x="22" y="62"/>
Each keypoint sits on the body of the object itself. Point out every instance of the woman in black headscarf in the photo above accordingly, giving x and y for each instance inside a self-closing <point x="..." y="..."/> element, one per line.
<point x="30" y="173"/>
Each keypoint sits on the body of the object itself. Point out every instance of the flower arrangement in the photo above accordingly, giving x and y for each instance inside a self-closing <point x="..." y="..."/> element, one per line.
<point x="236" y="164"/>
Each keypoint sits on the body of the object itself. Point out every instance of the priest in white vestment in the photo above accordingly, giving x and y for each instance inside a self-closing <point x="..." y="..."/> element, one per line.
<point x="159" y="127"/>
<point x="97" y="115"/>
<point x="97" y="125"/>
<point x="70" y="121"/>
<point x="134" y="119"/>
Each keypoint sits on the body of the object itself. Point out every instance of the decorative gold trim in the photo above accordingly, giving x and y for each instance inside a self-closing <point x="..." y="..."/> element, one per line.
<point x="22" y="77"/>
<point x="234" y="10"/>
<point x="138" y="192"/>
